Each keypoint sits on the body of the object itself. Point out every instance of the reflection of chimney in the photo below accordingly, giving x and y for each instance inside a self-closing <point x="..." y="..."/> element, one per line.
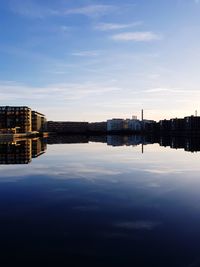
<point x="142" y="115"/>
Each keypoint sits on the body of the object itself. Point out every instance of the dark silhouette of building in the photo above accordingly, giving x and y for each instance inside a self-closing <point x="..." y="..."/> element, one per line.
<point x="67" y="127"/>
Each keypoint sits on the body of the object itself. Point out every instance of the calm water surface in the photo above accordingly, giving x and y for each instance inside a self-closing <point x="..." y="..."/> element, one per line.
<point x="98" y="205"/>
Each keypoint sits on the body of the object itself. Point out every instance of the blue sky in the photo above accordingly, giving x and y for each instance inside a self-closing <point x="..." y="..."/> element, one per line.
<point x="98" y="59"/>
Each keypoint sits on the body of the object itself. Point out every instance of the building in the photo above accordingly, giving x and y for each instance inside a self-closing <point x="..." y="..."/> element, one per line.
<point x="192" y="123"/>
<point x="97" y="127"/>
<point x="38" y="121"/>
<point x="177" y="125"/>
<point x="115" y="125"/>
<point x="18" y="118"/>
<point x="134" y="125"/>
<point x="67" y="127"/>
<point x="165" y="126"/>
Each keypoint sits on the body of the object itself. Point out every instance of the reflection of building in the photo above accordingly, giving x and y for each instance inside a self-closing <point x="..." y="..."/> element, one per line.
<point x="16" y="153"/>
<point x="38" y="121"/>
<point x="38" y="147"/>
<point x="67" y="139"/>
<point x="21" y="152"/>
<point x="16" y="117"/>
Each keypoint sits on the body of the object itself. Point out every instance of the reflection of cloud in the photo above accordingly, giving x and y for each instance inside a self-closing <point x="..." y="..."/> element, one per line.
<point x="60" y="172"/>
<point x="138" y="225"/>
<point x="136" y="36"/>
<point x="86" y="208"/>
<point x="164" y="171"/>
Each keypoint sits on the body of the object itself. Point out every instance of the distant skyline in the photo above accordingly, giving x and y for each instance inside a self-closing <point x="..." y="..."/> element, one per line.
<point x="91" y="60"/>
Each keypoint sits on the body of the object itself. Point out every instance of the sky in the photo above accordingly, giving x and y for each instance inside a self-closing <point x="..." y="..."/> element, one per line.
<point x="92" y="60"/>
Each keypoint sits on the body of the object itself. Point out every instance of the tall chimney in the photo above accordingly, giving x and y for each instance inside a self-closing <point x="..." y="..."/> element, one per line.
<point x="142" y="115"/>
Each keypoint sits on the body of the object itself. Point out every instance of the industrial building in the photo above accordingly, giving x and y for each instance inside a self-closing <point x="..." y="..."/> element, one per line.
<point x="192" y="123"/>
<point x="38" y="121"/>
<point x="20" y="120"/>
<point x="67" y="127"/>
<point x="97" y="127"/>
<point x="134" y="125"/>
<point x="115" y="125"/>
<point x="129" y="125"/>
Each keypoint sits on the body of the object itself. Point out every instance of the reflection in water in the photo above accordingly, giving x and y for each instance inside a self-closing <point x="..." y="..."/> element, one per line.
<point x="98" y="205"/>
<point x="22" y="151"/>
<point x="188" y="143"/>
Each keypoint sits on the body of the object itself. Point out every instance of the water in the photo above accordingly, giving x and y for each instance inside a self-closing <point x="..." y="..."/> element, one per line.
<point x="93" y="204"/>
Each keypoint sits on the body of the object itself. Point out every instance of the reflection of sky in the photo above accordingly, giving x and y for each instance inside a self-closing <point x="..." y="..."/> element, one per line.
<point x="104" y="202"/>
<point x="158" y="171"/>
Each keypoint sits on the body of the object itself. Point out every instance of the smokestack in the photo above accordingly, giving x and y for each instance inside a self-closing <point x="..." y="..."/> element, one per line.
<point x="196" y="113"/>
<point x="142" y="115"/>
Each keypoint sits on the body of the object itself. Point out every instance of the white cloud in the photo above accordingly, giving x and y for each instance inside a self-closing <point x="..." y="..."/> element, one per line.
<point x="115" y="26"/>
<point x="136" y="36"/>
<point x="91" y="10"/>
<point x="163" y="90"/>
<point x="88" y="53"/>
<point x="31" y="9"/>
<point x="13" y="92"/>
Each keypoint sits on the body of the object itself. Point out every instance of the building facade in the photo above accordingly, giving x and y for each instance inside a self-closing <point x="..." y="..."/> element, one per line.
<point x="38" y="121"/>
<point x="20" y="120"/>
<point x="115" y="125"/>
<point x="67" y="127"/>
<point x="16" y="117"/>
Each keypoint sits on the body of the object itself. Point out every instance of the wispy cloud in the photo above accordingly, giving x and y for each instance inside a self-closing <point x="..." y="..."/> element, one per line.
<point x="13" y="92"/>
<point x="136" y="36"/>
<point x="174" y="90"/>
<point x="88" y="53"/>
<point x="91" y="10"/>
<point x="116" y="26"/>
<point x="31" y="9"/>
